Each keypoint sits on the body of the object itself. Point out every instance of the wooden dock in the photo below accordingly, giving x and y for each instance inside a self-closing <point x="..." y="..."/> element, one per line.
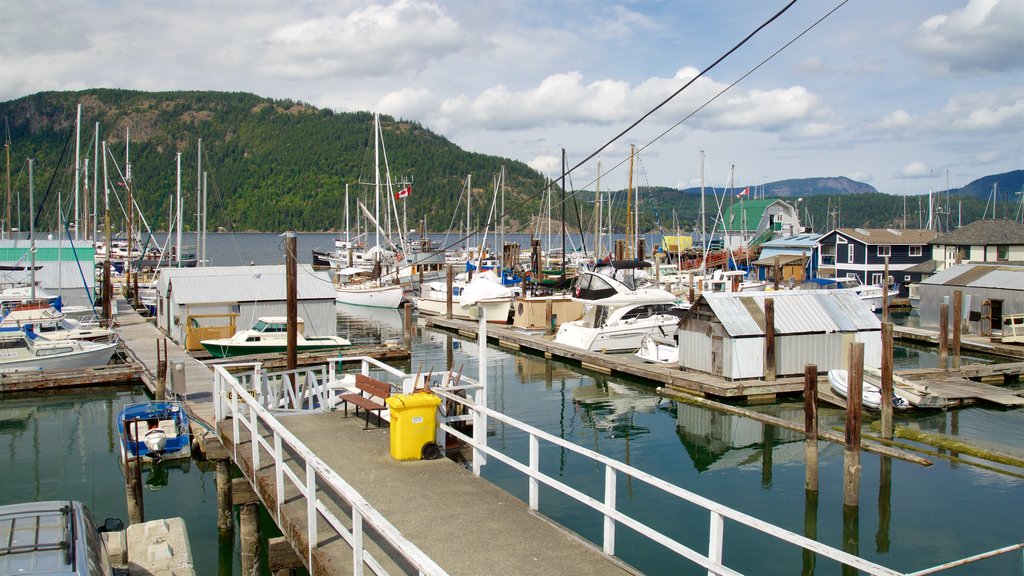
<point x="464" y="523"/>
<point x="968" y="342"/>
<point x="945" y="389"/>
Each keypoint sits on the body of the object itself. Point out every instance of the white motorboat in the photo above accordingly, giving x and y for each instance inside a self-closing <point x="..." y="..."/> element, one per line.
<point x="483" y="292"/>
<point x="618" y="314"/>
<point x="52" y="324"/>
<point x="270" y="335"/>
<point x="22" y="351"/>
<point x="659" y="350"/>
<point x="871" y="393"/>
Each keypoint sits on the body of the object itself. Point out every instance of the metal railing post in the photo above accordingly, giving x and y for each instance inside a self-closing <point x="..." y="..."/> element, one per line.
<point x="715" y="535"/>
<point x="534" y="469"/>
<point x="311" y="513"/>
<point x="480" y="397"/>
<point x="609" y="501"/>
<point x="279" y="473"/>
<point x="357" y="543"/>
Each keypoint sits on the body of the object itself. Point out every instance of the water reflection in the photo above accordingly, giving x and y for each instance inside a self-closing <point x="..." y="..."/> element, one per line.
<point x="612" y="407"/>
<point x="719" y="441"/>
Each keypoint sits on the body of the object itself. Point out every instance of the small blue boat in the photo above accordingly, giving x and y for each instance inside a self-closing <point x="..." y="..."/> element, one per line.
<point x="154" y="431"/>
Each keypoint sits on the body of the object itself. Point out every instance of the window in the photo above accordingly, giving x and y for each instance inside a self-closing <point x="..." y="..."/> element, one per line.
<point x="849" y="253"/>
<point x="828" y="254"/>
<point x="876" y="279"/>
<point x="1002" y="253"/>
<point x="963" y="253"/>
<point x="916" y="251"/>
<point x="884" y="251"/>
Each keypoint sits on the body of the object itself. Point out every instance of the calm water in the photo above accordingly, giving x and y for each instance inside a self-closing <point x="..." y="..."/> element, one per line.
<point x="64" y="446"/>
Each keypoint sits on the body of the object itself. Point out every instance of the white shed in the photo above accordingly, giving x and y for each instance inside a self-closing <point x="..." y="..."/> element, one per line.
<point x="249" y="291"/>
<point x="723" y="333"/>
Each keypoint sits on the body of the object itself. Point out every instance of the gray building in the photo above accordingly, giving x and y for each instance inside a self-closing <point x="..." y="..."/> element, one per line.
<point x="990" y="291"/>
<point x="249" y="291"/>
<point x="724" y="333"/>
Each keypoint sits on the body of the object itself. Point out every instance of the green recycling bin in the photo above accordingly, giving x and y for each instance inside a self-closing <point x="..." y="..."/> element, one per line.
<point x="413" y="423"/>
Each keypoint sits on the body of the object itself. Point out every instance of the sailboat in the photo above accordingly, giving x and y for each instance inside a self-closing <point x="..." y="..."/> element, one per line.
<point x="358" y="286"/>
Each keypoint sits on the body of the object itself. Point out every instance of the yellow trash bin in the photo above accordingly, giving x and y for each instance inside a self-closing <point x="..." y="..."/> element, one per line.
<point x="413" y="423"/>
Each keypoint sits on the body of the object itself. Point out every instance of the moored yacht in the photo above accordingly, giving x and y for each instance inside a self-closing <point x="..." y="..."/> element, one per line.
<point x="618" y="313"/>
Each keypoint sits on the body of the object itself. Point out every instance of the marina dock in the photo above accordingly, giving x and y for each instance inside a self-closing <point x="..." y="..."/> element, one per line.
<point x="466" y="524"/>
<point x="947" y="388"/>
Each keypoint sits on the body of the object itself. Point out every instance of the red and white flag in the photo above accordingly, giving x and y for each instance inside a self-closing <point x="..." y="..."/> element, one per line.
<point x="746" y="191"/>
<point x="404" y="192"/>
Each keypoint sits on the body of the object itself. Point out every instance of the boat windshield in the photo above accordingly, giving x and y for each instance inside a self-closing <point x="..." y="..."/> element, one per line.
<point x="264" y="326"/>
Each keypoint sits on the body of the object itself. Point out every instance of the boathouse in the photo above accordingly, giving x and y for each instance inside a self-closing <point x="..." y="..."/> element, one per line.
<point x="989" y="291"/>
<point x="215" y="293"/>
<point x="862" y="253"/>
<point x="794" y="257"/>
<point x="63" y="267"/>
<point x="750" y="222"/>
<point x="723" y="334"/>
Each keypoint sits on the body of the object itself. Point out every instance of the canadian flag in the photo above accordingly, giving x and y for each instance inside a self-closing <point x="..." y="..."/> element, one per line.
<point x="746" y="191"/>
<point x="404" y="192"/>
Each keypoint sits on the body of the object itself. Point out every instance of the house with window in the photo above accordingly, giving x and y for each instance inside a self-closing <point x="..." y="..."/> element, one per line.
<point x="862" y="253"/>
<point x="753" y="222"/>
<point x="996" y="241"/>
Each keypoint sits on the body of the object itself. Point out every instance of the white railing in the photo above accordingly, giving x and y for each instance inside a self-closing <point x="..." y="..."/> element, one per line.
<point x="232" y="395"/>
<point x="479" y="414"/>
<point x="296" y="465"/>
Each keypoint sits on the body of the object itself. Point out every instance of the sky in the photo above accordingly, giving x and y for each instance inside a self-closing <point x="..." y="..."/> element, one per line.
<point x="904" y="95"/>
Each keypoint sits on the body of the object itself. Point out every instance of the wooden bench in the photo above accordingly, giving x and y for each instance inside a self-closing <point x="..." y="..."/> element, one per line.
<point x="369" y="390"/>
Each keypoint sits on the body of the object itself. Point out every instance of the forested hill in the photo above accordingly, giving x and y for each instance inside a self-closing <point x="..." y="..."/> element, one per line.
<point x="272" y="164"/>
<point x="275" y="165"/>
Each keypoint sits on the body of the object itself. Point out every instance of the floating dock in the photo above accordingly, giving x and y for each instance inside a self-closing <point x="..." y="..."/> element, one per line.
<point x="947" y="388"/>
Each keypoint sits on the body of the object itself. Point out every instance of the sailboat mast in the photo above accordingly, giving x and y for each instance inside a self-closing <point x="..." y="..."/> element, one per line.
<point x="469" y="200"/>
<point x="348" y="234"/>
<point x="177" y="215"/>
<point x="78" y="165"/>
<point x="199" y="192"/>
<point x="31" y="231"/>
<point x="629" y="205"/>
<point x="376" y="175"/>
<point x="703" y="218"/>
<point x="95" y="183"/>
<point x="597" y="220"/>
<point x="563" y="212"/>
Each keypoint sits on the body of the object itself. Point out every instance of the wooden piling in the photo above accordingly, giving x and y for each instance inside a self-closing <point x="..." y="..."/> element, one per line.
<point x="225" y="517"/>
<point x="408" y="329"/>
<point x="133" y="481"/>
<point x="886" y="406"/>
<point x="885" y="292"/>
<point x="281" y="557"/>
<point x="769" y="339"/>
<point x="882" y="540"/>
<point x="160" y="391"/>
<point x="851" y="459"/>
<point x="958" y="319"/>
<point x="691" y="295"/>
<point x="944" y="336"/>
<point x="811" y="427"/>
<point x="448" y="295"/>
<point x="549" y="326"/>
<point x="248" y="518"/>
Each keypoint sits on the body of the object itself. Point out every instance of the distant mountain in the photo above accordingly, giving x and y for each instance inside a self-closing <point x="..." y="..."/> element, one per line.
<point x="1007" y="184"/>
<point x="802" y="187"/>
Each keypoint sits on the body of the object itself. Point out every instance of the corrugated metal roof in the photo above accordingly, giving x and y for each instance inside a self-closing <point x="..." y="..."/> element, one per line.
<point x="796" y="312"/>
<point x="242" y="284"/>
<point x="980" y="276"/>
<point x="807" y="240"/>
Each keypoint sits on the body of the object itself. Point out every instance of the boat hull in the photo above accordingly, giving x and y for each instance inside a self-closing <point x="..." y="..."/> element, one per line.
<point x="98" y="355"/>
<point x="496" y="310"/>
<point x="229" y="349"/>
<point x="168" y="438"/>
<point x="371" y="296"/>
<point x="625" y="337"/>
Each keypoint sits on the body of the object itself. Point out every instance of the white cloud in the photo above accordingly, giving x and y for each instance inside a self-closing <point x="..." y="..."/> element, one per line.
<point x="983" y="36"/>
<point x="546" y="165"/>
<point x="410" y="103"/>
<point x="861" y="176"/>
<point x="373" y="40"/>
<point x="916" y="170"/>
<point x="897" y="120"/>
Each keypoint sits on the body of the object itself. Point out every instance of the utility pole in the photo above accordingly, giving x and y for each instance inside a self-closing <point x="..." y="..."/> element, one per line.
<point x="292" y="297"/>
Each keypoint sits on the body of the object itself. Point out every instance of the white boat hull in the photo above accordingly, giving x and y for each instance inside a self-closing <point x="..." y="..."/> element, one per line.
<point x="372" y="296"/>
<point x="652" y="350"/>
<point x="871" y="394"/>
<point x="623" y="337"/>
<point x="94" y="355"/>
<point x="495" y="309"/>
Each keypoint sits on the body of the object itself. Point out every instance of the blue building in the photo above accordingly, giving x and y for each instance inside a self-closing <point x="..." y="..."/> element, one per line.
<point x="862" y="253"/>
